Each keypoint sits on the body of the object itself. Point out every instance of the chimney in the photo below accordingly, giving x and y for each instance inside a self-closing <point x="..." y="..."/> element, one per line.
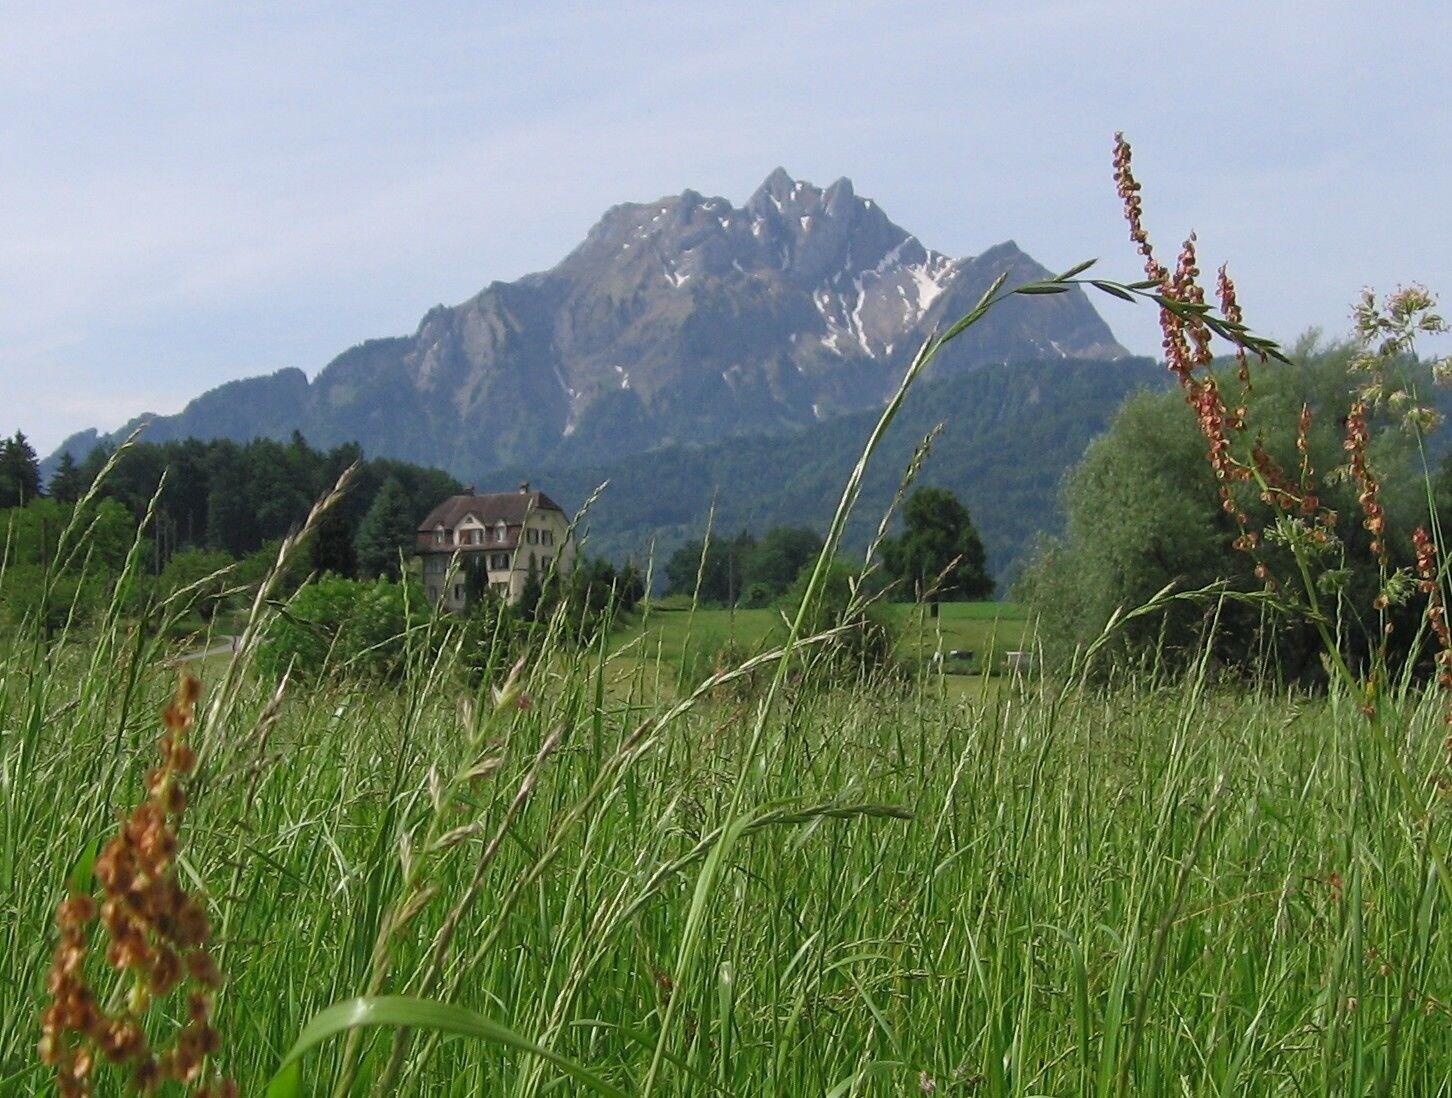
<point x="469" y="491"/>
<point x="524" y="488"/>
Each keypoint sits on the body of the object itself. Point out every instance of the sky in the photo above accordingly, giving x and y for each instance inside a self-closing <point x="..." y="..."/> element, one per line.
<point x="194" y="193"/>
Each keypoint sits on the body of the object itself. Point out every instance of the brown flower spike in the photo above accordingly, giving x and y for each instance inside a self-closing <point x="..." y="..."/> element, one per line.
<point x="1427" y="579"/>
<point x="1358" y="438"/>
<point x="157" y="936"/>
<point x="1186" y="342"/>
<point x="1185" y="338"/>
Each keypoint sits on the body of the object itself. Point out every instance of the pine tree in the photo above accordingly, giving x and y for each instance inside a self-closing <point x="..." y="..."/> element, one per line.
<point x="231" y="526"/>
<point x="387" y="528"/>
<point x="531" y="596"/>
<point x="67" y="484"/>
<point x="332" y="547"/>
<point x="19" y="472"/>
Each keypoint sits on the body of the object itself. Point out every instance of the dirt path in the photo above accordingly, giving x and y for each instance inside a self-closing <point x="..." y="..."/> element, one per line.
<point x="226" y="648"/>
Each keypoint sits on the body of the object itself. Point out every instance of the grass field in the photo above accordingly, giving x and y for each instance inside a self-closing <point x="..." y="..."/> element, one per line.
<point x="863" y="888"/>
<point x="694" y="642"/>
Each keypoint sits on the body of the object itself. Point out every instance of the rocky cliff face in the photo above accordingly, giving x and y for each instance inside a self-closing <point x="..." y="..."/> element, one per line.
<point x="687" y="319"/>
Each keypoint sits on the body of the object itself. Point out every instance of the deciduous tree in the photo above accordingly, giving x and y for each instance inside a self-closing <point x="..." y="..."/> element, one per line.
<point x="939" y="554"/>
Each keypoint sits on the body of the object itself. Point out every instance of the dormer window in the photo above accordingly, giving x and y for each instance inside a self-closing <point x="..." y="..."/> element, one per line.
<point x="440" y="535"/>
<point x="501" y="532"/>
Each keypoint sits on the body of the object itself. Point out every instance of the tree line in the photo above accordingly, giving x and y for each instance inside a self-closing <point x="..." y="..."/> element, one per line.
<point x="210" y="515"/>
<point x="938" y="557"/>
<point x="231" y="498"/>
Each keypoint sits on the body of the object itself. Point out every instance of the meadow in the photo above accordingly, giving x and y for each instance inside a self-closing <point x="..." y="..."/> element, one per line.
<point x="965" y="641"/>
<point x="1160" y="886"/>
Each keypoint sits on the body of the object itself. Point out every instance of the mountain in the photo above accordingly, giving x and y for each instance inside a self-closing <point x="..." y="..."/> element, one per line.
<point x="687" y="319"/>
<point x="1009" y="434"/>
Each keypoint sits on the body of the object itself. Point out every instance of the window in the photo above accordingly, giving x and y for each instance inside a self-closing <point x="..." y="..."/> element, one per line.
<point x="501" y="532"/>
<point x="458" y="592"/>
<point x="544" y="563"/>
<point x="533" y="536"/>
<point x="438" y="535"/>
<point x="548" y="536"/>
<point x="499" y="562"/>
<point x="433" y="593"/>
<point x="476" y="537"/>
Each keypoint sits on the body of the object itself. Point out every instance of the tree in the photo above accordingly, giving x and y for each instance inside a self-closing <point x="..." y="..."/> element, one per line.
<point x="67" y="483"/>
<point x="388" y="526"/>
<point x="1142" y="513"/>
<point x="682" y="567"/>
<point x="532" y="605"/>
<point x="332" y="545"/>
<point x="865" y="642"/>
<point x="19" y="472"/>
<point x="596" y="586"/>
<point x="231" y="526"/>
<point x="202" y="572"/>
<point x="939" y="554"/>
<point x="256" y="566"/>
<point x="772" y="565"/>
<point x="722" y="579"/>
<point x="47" y="584"/>
<point x="629" y="585"/>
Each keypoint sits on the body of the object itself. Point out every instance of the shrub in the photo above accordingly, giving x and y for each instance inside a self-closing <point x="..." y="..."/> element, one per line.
<point x="335" y="624"/>
<point x="866" y="642"/>
<point x="207" y="571"/>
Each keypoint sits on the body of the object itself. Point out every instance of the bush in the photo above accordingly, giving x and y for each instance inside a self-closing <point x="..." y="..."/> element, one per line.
<point x="493" y="636"/>
<point x="866" y="643"/>
<point x="208" y="571"/>
<point x="336" y="624"/>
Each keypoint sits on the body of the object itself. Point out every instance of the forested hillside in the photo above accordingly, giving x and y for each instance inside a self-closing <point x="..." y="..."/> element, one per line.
<point x="1009" y="434"/>
<point x="234" y="499"/>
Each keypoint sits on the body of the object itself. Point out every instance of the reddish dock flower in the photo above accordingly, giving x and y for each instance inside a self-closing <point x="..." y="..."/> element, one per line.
<point x="157" y="933"/>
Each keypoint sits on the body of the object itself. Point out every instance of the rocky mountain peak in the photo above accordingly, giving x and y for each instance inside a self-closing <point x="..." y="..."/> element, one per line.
<point x="683" y="319"/>
<point x="775" y="190"/>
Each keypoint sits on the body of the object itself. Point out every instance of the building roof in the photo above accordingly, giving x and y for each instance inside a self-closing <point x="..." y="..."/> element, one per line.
<point x="490" y="508"/>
